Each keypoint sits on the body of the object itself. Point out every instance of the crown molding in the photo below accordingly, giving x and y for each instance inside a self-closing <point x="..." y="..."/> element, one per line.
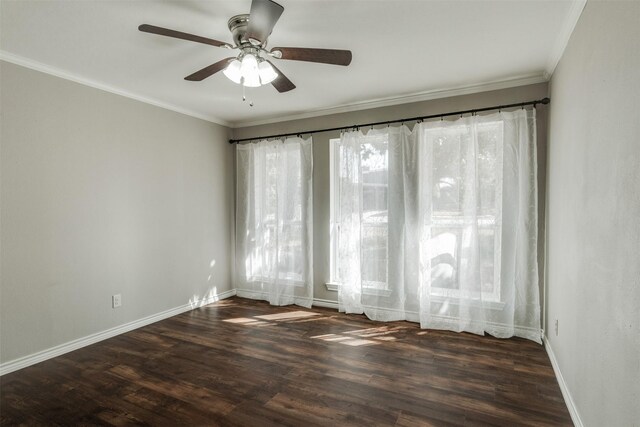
<point x="577" y="6"/>
<point x="510" y="82"/>
<point x="404" y="99"/>
<point x="57" y="72"/>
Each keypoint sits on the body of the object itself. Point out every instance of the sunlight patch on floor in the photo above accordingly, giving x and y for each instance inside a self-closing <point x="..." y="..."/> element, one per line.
<point x="378" y="332"/>
<point x="356" y="343"/>
<point x="240" y="320"/>
<point x="274" y="319"/>
<point x="333" y="337"/>
<point x="353" y="338"/>
<point x="342" y="339"/>
<point x="246" y="321"/>
<point x="289" y="315"/>
<point x="358" y="337"/>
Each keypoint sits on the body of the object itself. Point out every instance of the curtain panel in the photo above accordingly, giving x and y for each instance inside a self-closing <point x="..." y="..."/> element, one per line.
<point x="439" y="225"/>
<point x="274" y="223"/>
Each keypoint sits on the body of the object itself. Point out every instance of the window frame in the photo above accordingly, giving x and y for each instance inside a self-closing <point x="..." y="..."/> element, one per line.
<point x="334" y="225"/>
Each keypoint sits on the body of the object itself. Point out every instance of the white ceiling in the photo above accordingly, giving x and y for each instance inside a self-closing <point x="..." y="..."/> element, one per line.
<point x="402" y="50"/>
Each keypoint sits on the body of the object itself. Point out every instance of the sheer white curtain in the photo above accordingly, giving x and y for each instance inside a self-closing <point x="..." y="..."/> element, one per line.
<point x="274" y="225"/>
<point x="439" y="225"/>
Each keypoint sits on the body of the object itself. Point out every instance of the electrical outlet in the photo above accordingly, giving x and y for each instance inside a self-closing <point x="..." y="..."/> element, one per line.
<point x="116" y="301"/>
<point x="556" y="327"/>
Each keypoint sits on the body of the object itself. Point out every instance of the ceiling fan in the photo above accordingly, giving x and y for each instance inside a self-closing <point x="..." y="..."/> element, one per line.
<point x="250" y="33"/>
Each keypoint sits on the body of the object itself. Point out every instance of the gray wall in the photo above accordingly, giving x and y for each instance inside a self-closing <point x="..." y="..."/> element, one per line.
<point x="594" y="215"/>
<point x="321" y="198"/>
<point x="101" y="195"/>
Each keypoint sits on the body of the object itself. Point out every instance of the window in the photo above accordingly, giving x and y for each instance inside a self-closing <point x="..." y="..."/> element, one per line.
<point x="461" y="165"/>
<point x="374" y="166"/>
<point x="448" y="232"/>
<point x="438" y="224"/>
<point x="279" y="227"/>
<point x="274" y="212"/>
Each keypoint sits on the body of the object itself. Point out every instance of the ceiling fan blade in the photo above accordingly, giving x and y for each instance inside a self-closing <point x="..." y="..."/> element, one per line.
<point x="209" y="71"/>
<point x="262" y="18"/>
<point x="324" y="56"/>
<point x="282" y="83"/>
<point x="146" y="28"/>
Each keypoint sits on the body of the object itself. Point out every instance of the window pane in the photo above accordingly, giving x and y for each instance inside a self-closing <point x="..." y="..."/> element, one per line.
<point x="463" y="175"/>
<point x="375" y="164"/>
<point x="487" y="260"/>
<point x="374" y="254"/>
<point x="270" y="187"/>
<point x="290" y="260"/>
<point x="488" y="168"/>
<point x="294" y="175"/>
<point x="375" y="177"/>
<point x="374" y="199"/>
<point x="444" y="249"/>
<point x="447" y="169"/>
<point x="278" y="210"/>
<point x="269" y="250"/>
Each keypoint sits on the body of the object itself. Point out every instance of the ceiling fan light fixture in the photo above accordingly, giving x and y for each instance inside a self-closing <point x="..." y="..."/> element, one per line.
<point x="233" y="71"/>
<point x="249" y="70"/>
<point x="249" y="65"/>
<point x="253" y="80"/>
<point x="267" y="73"/>
<point x="245" y="72"/>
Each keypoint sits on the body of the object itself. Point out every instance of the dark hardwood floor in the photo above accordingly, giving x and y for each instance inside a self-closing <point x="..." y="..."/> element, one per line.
<point x="245" y="363"/>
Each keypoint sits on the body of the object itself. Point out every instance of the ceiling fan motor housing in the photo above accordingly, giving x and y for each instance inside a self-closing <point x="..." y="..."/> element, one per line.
<point x="238" y="26"/>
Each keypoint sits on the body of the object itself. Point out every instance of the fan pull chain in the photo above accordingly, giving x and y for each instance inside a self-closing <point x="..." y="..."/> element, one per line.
<point x="244" y="95"/>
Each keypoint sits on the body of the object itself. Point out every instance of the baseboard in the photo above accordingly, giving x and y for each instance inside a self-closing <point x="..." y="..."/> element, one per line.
<point x="318" y="302"/>
<point x="41" y="356"/>
<point x="568" y="400"/>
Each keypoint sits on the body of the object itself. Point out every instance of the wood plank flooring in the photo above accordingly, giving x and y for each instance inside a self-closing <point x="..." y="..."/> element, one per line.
<point x="240" y="362"/>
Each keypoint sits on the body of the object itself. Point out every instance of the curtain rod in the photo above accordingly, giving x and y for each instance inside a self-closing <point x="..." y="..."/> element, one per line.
<point x="543" y="101"/>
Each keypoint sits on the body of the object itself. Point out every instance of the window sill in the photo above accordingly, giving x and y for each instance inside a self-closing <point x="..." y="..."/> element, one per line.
<point x="284" y="282"/>
<point x="333" y="287"/>
<point x="491" y="305"/>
